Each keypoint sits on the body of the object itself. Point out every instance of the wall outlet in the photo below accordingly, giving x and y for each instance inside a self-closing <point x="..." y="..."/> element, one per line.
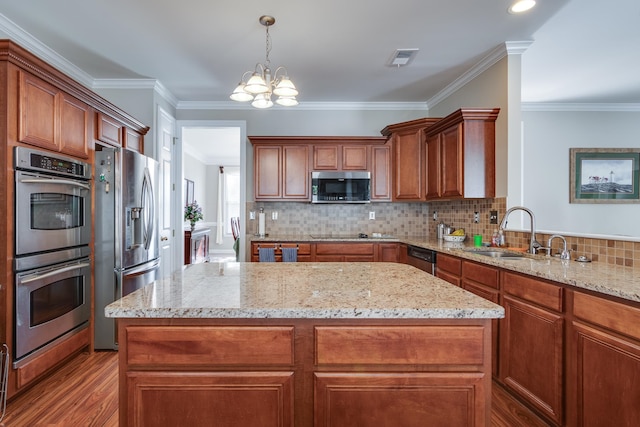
<point x="252" y="215"/>
<point x="476" y="217"/>
<point x="493" y="217"/>
<point x="435" y="215"/>
<point x="372" y="215"/>
<point x="274" y="215"/>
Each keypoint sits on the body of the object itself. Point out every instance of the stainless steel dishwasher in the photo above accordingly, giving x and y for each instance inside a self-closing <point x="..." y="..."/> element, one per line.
<point x="424" y="259"/>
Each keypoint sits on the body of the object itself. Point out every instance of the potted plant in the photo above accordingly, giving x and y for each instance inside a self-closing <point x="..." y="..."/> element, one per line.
<point x="193" y="214"/>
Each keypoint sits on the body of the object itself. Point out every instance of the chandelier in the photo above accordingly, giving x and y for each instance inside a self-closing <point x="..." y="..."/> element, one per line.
<point x="262" y="84"/>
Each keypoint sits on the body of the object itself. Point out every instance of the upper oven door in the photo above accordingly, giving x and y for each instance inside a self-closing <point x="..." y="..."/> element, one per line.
<point x="51" y="212"/>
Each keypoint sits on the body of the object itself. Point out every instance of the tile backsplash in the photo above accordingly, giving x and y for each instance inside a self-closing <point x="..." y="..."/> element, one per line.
<point x="416" y="219"/>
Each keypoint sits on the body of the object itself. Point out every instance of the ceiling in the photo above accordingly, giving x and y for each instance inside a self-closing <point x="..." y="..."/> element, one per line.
<point x="335" y="51"/>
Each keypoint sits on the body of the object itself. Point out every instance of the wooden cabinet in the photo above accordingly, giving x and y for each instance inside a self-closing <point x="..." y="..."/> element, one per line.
<point x="340" y="157"/>
<point x="114" y="132"/>
<point x="407" y="145"/>
<point x="51" y="119"/>
<point x="281" y="172"/>
<point x="532" y="342"/>
<point x="196" y="245"/>
<point x="345" y="252"/>
<point x="484" y="281"/>
<point x="460" y="155"/>
<point x="381" y="173"/>
<point x="388" y="252"/>
<point x="449" y="268"/>
<point x="304" y="372"/>
<point x="603" y="389"/>
<point x="303" y="249"/>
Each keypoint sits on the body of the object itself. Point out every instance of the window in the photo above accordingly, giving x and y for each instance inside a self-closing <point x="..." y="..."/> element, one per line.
<point x="231" y="196"/>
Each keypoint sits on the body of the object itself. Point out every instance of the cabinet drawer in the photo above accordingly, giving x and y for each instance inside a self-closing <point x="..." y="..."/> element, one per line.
<point x="449" y="264"/>
<point x="613" y="315"/>
<point x="209" y="345"/>
<point x="344" y="248"/>
<point x="482" y="274"/>
<point x="545" y="294"/>
<point x="433" y="345"/>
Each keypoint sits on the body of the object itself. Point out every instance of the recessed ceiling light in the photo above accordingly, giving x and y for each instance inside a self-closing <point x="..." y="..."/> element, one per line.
<point x="520" y="6"/>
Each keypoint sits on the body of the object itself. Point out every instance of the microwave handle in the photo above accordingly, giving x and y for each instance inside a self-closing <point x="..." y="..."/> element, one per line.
<point x="56" y="181"/>
<point x="54" y="272"/>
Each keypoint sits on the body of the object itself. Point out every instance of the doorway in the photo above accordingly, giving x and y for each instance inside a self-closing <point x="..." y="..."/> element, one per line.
<point x="213" y="160"/>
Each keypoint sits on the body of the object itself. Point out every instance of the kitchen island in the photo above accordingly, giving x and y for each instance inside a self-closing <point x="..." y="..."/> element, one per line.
<point x="304" y="344"/>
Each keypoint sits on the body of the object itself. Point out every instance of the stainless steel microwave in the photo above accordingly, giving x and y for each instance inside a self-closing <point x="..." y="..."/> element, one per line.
<point x="340" y="187"/>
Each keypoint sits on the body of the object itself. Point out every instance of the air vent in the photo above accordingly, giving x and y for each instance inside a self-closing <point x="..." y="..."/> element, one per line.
<point x="402" y="57"/>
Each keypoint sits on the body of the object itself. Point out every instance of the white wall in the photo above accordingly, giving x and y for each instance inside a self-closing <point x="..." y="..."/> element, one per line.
<point x="547" y="139"/>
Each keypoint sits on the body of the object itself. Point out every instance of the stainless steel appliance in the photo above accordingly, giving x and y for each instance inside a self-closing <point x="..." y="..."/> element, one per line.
<point x="424" y="259"/>
<point x="126" y="240"/>
<point x="53" y="201"/>
<point x="52" y="265"/>
<point x="340" y="187"/>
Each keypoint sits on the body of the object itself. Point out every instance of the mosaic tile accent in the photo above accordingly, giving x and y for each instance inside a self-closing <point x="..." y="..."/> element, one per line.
<point x="416" y="219"/>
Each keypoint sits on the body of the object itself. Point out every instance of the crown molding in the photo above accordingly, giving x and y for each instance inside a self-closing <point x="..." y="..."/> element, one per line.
<point x="155" y="85"/>
<point x="597" y="107"/>
<point x="316" y="106"/>
<point x="499" y="52"/>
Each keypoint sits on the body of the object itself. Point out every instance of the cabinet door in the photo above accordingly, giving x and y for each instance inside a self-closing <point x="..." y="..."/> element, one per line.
<point x="354" y="157"/>
<point x="295" y="175"/>
<point x="268" y="172"/>
<point x="109" y="130"/>
<point x="388" y="252"/>
<point x="432" y="161"/>
<point x="531" y="355"/>
<point x="37" y="113"/>
<point x="74" y="125"/>
<point x="325" y="157"/>
<point x="407" y="165"/>
<point x="380" y="173"/>
<point x="451" y="146"/>
<point x="209" y="398"/>
<point x="399" y="399"/>
<point x="133" y="140"/>
<point x="607" y="390"/>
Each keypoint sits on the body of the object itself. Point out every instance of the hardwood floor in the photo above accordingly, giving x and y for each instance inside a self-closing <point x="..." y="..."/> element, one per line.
<point x="84" y="393"/>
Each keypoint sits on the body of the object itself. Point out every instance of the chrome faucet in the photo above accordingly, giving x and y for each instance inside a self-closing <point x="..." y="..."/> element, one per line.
<point x="565" y="253"/>
<point x="533" y="243"/>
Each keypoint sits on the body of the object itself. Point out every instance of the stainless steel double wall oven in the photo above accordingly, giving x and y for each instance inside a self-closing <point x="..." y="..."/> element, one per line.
<point x="52" y="237"/>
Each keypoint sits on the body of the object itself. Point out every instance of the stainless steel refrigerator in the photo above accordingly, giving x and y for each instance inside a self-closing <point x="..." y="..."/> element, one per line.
<point x="126" y="232"/>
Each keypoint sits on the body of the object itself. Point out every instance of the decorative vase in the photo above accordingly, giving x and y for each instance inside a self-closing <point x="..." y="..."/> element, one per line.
<point x="193" y="225"/>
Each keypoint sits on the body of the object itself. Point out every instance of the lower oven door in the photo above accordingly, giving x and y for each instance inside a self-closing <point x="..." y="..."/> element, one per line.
<point x="49" y="303"/>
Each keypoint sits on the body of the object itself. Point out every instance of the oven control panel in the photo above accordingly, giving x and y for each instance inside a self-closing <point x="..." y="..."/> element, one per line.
<point x="41" y="161"/>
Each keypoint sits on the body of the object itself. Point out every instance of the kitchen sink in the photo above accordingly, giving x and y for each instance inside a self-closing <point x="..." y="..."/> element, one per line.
<point x="498" y="254"/>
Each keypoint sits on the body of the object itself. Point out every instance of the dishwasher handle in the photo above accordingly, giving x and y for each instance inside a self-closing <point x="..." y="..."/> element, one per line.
<point x="423" y="254"/>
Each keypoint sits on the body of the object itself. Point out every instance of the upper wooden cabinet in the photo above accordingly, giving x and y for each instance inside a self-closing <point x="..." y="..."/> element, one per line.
<point x="381" y="173"/>
<point x="460" y="155"/>
<point x="281" y="171"/>
<point x="114" y="132"/>
<point x="51" y="119"/>
<point x="283" y="164"/>
<point x="407" y="145"/>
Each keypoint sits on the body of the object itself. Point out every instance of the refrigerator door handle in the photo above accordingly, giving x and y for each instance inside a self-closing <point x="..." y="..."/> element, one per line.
<point x="148" y="204"/>
<point x="142" y="268"/>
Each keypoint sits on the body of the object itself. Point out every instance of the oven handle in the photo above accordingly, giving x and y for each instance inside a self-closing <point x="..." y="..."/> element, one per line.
<point x="56" y="181"/>
<point x="54" y="272"/>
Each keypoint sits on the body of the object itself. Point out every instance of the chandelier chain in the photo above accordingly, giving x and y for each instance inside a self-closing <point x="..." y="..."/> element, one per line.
<point x="268" y="49"/>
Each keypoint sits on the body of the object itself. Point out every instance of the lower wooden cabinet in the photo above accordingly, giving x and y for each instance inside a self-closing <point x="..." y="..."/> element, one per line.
<point x="449" y="268"/>
<point x="345" y="252"/>
<point x="333" y="251"/>
<point x="604" y="389"/>
<point x="340" y="372"/>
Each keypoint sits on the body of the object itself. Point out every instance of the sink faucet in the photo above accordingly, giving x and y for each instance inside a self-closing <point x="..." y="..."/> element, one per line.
<point x="533" y="243"/>
<point x="565" y="253"/>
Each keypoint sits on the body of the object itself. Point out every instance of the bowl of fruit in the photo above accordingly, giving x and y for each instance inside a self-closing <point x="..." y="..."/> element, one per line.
<point x="457" y="236"/>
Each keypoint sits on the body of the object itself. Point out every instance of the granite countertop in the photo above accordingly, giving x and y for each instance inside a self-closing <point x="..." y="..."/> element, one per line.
<point x="302" y="290"/>
<point x="614" y="280"/>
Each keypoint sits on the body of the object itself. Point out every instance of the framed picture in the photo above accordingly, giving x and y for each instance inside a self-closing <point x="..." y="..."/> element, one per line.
<point x="604" y="175"/>
<point x="188" y="191"/>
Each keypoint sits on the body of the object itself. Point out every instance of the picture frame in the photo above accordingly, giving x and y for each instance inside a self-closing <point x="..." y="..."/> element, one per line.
<point x="188" y="191"/>
<point x="604" y="175"/>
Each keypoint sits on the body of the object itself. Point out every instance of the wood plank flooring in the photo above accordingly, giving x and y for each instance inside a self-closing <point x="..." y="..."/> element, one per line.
<point x="84" y="393"/>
